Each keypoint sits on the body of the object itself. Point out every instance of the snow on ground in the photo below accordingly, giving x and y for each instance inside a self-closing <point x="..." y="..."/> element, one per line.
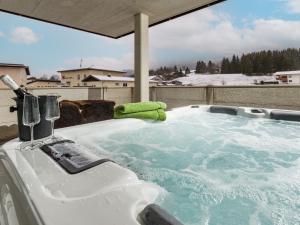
<point x="222" y="79"/>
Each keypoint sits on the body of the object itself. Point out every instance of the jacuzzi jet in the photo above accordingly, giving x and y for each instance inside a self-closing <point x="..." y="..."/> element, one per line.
<point x="257" y="111"/>
<point x="253" y="112"/>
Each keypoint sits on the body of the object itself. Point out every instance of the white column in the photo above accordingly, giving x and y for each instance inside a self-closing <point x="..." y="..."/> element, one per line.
<point x="141" y="58"/>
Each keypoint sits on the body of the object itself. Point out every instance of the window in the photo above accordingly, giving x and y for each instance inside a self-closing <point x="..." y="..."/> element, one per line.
<point x="84" y="76"/>
<point x="290" y="81"/>
<point x="290" y="76"/>
<point x="84" y="84"/>
<point x="78" y="77"/>
<point x="124" y="84"/>
<point x="117" y="84"/>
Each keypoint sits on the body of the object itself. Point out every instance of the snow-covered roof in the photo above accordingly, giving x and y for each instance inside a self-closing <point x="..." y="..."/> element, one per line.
<point x="91" y="68"/>
<point x="296" y="72"/>
<point x="222" y="79"/>
<point x="110" y="78"/>
<point x="155" y="78"/>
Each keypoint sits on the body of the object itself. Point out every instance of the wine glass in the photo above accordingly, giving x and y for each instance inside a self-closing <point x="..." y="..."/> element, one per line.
<point x="31" y="114"/>
<point x="52" y="111"/>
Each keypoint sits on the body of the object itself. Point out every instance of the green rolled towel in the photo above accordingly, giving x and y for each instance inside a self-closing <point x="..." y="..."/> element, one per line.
<point x="158" y="114"/>
<point x="140" y="107"/>
<point x="142" y="110"/>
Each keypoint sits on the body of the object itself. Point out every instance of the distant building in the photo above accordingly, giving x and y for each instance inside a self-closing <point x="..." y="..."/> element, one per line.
<point x="30" y="78"/>
<point x="158" y="78"/>
<point x="288" y="77"/>
<point x="42" y="83"/>
<point x="266" y="82"/>
<point x="110" y="81"/>
<point x="74" y="77"/>
<point x="18" y="72"/>
<point x="176" y="82"/>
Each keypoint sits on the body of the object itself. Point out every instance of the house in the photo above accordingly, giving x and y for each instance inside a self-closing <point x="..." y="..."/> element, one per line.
<point x="158" y="78"/>
<point x="176" y="82"/>
<point x="111" y="81"/>
<point x="18" y="73"/>
<point x="43" y="83"/>
<point x="74" y="77"/>
<point x="288" y="77"/>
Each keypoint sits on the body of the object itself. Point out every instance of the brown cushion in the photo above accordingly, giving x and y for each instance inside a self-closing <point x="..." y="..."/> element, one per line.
<point x="69" y="115"/>
<point x="97" y="111"/>
<point x="8" y="132"/>
<point x="84" y="111"/>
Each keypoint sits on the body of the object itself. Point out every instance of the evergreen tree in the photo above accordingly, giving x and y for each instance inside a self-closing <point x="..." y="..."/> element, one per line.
<point x="187" y="70"/>
<point x="238" y="65"/>
<point x="210" y="67"/>
<point x="175" y="69"/>
<point x="198" y="67"/>
<point x="151" y="72"/>
<point x="225" y="66"/>
<point x="201" y="67"/>
<point x="54" y="77"/>
<point x="232" y="67"/>
<point x="180" y="71"/>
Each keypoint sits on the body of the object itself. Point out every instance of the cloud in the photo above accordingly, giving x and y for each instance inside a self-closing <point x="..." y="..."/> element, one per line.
<point x="293" y="5"/>
<point x="23" y="35"/>
<point x="210" y="33"/>
<point x="206" y="34"/>
<point x="1" y="34"/>
<point x="126" y="61"/>
<point x="118" y="63"/>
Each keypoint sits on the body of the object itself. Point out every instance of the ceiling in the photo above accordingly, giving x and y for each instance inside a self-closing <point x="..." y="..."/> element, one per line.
<point x="112" y="18"/>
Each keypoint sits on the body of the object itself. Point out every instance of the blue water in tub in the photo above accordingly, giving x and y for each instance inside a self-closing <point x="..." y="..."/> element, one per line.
<point x="217" y="169"/>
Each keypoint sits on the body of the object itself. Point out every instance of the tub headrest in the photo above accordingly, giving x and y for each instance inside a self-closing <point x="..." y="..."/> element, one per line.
<point x="285" y="115"/>
<point x="231" y="110"/>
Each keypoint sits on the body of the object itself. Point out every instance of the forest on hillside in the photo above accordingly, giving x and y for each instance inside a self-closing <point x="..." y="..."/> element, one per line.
<point x="263" y="62"/>
<point x="255" y="63"/>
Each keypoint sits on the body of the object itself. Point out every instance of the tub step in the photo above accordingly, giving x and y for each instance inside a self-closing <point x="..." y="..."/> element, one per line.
<point x="155" y="215"/>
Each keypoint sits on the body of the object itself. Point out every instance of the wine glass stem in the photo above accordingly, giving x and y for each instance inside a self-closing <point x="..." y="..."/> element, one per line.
<point x="52" y="129"/>
<point x="31" y="135"/>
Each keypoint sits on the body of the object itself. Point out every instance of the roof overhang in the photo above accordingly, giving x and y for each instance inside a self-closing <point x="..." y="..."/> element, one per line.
<point x="111" y="18"/>
<point x="16" y="65"/>
<point x="91" y="68"/>
<point x="46" y="81"/>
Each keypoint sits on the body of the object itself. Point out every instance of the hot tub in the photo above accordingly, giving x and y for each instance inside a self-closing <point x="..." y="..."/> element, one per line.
<point x="213" y="168"/>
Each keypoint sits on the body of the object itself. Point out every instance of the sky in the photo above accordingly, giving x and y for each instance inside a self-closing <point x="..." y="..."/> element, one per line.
<point x="232" y="27"/>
